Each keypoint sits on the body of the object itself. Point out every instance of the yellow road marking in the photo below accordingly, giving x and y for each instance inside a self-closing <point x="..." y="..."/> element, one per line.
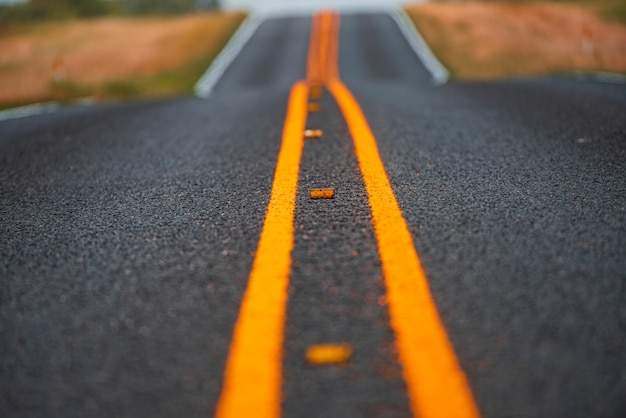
<point x="313" y="133"/>
<point x="316" y="91"/>
<point x="322" y="193"/>
<point x="436" y="384"/>
<point x="323" y="354"/>
<point x="313" y="73"/>
<point x="322" y="59"/>
<point x="252" y="379"/>
<point x="314" y="107"/>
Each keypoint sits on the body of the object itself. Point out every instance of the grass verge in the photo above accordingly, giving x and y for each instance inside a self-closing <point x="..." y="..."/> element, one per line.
<point x="498" y="39"/>
<point x="110" y="58"/>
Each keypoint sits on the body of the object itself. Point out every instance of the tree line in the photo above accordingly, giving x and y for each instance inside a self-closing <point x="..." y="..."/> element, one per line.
<point x="34" y="10"/>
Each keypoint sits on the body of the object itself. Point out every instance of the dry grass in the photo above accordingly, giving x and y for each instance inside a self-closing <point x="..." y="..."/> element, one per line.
<point x="52" y="60"/>
<point x="478" y="40"/>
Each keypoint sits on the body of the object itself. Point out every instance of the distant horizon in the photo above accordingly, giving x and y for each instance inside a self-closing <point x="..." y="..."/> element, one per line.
<point x="286" y="4"/>
<point x="306" y="5"/>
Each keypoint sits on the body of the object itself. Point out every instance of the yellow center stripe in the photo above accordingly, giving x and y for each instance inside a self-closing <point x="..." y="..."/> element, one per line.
<point x="436" y="384"/>
<point x="252" y="379"/>
<point x="322" y="59"/>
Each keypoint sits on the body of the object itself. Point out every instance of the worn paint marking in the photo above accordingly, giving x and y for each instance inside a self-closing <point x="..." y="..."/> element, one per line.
<point x="313" y="133"/>
<point x="322" y="193"/>
<point x="328" y="354"/>
<point x="314" y="107"/>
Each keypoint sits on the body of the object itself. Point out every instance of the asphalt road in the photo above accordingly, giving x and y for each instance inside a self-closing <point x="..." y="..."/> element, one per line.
<point x="128" y="231"/>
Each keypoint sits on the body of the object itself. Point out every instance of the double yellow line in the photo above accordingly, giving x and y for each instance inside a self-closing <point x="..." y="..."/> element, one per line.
<point x="437" y="386"/>
<point x="323" y="49"/>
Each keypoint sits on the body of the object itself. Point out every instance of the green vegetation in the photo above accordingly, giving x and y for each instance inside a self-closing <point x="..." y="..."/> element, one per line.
<point x="140" y="7"/>
<point x="167" y="83"/>
<point x="610" y="10"/>
<point x="496" y="39"/>
<point x="195" y="41"/>
<point x="38" y="10"/>
<point x="614" y="11"/>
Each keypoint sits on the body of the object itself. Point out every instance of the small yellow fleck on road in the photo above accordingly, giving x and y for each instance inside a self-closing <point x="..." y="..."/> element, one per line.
<point x="316" y="91"/>
<point x="313" y="133"/>
<point x="322" y="193"/>
<point x="323" y="354"/>
<point x="314" y="107"/>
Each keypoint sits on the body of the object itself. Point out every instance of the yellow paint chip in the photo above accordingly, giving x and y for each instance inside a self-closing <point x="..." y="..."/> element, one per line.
<point x="316" y="91"/>
<point x="313" y="133"/>
<point x="314" y="107"/>
<point x="322" y="193"/>
<point x="322" y="354"/>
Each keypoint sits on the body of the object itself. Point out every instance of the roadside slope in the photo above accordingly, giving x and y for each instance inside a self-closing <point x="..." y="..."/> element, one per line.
<point x="482" y="40"/>
<point x="110" y="57"/>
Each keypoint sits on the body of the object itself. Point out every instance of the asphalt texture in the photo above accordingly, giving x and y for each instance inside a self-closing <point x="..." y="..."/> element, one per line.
<point x="128" y="232"/>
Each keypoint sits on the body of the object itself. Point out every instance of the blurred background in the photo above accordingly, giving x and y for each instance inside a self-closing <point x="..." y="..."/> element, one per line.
<point x="95" y="50"/>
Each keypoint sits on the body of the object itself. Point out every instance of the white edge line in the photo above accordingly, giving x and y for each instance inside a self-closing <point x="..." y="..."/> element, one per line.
<point x="205" y="85"/>
<point x="30" y="110"/>
<point x="418" y="44"/>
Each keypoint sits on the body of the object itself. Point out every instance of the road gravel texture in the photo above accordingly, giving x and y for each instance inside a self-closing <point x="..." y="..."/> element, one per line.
<point x="128" y="231"/>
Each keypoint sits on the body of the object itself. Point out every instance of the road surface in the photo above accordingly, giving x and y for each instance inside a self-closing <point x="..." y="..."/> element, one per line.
<point x="129" y="231"/>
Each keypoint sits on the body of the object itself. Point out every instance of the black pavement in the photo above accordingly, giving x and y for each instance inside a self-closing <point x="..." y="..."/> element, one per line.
<point x="127" y="233"/>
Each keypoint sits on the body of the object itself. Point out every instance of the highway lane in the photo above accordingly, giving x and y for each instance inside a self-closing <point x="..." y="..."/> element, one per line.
<point x="515" y="194"/>
<point x="129" y="232"/>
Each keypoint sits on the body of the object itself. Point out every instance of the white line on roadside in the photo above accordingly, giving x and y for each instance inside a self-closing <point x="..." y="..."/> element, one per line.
<point x="418" y="44"/>
<point x="30" y="110"/>
<point x="205" y="85"/>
